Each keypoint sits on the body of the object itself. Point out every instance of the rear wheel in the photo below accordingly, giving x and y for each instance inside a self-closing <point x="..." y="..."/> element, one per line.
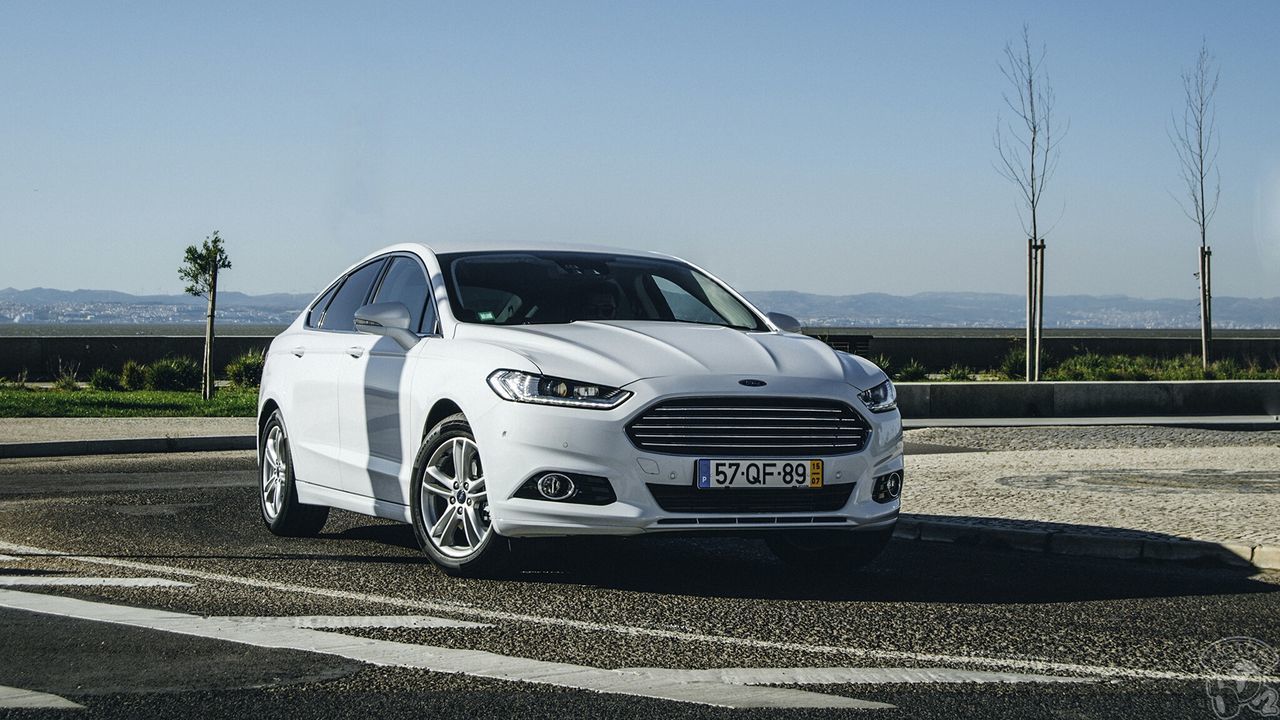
<point x="450" y="503"/>
<point x="829" y="550"/>
<point x="278" y="498"/>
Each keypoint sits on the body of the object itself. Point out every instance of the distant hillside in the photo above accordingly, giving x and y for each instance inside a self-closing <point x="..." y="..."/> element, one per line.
<point x="43" y="306"/>
<point x="938" y="310"/>
<point x="955" y="309"/>
<point x="48" y="296"/>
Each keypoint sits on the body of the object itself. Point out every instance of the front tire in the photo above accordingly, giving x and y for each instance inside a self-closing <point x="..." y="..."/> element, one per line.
<point x="450" y="503"/>
<point x="826" y="551"/>
<point x="277" y="495"/>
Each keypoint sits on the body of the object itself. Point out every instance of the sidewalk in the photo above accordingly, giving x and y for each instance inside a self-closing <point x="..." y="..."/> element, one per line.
<point x="1155" y="493"/>
<point x="1162" y="503"/>
<point x="49" y="437"/>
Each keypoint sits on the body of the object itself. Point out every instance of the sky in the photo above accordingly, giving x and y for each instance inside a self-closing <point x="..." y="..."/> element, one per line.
<point x="821" y="147"/>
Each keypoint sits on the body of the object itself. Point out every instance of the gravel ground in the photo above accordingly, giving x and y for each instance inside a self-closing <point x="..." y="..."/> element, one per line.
<point x="1088" y="438"/>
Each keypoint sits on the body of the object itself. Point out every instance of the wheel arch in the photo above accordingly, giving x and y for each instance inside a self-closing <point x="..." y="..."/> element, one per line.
<point x="264" y="414"/>
<point x="442" y="409"/>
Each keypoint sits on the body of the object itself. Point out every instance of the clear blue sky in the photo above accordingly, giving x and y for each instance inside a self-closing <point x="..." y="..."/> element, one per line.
<point x="833" y="148"/>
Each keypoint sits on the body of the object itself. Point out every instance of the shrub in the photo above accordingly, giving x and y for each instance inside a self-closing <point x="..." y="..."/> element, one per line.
<point x="1254" y="371"/>
<point x="1013" y="366"/>
<point x="957" y="372"/>
<point x="66" y="378"/>
<point x="175" y="373"/>
<point x="103" y="379"/>
<point x="910" y="372"/>
<point x="246" y="370"/>
<point x="133" y="376"/>
<point x="1187" y="367"/>
<point x="885" y="363"/>
<point x="1090" y="366"/>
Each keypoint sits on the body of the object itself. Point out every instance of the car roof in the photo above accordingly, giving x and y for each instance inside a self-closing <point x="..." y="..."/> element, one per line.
<point x="440" y="247"/>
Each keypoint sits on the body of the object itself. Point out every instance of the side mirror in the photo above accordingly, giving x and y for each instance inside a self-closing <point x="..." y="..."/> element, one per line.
<point x="387" y="318"/>
<point x="785" y="323"/>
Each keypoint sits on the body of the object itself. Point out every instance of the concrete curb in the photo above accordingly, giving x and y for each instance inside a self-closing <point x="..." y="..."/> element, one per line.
<point x="1065" y="542"/>
<point x="1187" y="398"/>
<point x="63" y="448"/>
<point x="1209" y="422"/>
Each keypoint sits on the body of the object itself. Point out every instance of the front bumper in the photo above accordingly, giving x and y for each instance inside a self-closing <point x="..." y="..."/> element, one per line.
<point x="519" y="440"/>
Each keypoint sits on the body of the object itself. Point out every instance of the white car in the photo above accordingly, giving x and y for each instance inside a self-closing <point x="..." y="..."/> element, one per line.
<point x="524" y="391"/>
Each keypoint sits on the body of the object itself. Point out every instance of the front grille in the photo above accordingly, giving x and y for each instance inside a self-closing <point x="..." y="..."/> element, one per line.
<point x="750" y="427"/>
<point x="687" y="498"/>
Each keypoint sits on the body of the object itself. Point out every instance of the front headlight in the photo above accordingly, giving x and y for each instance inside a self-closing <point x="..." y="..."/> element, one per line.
<point x="526" y="387"/>
<point x="881" y="398"/>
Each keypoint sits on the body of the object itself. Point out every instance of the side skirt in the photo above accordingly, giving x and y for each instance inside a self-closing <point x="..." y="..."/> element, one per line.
<point x="309" y="494"/>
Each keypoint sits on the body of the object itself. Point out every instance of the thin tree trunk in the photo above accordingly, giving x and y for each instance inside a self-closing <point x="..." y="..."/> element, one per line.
<point x="1208" y="292"/>
<point x="206" y="381"/>
<point x="1206" y="305"/>
<point x="1031" y="304"/>
<point x="1040" y="248"/>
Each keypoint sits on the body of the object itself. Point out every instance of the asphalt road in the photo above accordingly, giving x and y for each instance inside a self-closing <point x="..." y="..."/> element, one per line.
<point x="186" y="619"/>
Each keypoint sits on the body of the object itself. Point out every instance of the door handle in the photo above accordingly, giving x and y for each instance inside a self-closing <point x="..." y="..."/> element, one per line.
<point x="355" y="351"/>
<point x="299" y="351"/>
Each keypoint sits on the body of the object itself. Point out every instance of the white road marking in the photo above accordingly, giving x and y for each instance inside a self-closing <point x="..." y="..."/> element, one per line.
<point x="337" y="622"/>
<point x="59" y="580"/>
<point x="663" y="686"/>
<point x="8" y="558"/>
<point x="1031" y="665"/>
<point x="859" y="676"/>
<point x="12" y="697"/>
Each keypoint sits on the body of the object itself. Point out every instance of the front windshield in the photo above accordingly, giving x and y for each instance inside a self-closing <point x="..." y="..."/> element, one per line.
<point x="521" y="288"/>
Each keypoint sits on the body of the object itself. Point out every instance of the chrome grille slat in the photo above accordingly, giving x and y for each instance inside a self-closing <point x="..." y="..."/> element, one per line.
<point x="752" y="427"/>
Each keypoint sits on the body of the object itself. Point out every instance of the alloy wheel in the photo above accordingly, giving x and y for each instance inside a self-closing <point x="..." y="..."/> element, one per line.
<point x="454" y="498"/>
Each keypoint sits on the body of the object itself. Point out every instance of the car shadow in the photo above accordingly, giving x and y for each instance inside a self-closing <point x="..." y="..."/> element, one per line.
<point x="908" y="570"/>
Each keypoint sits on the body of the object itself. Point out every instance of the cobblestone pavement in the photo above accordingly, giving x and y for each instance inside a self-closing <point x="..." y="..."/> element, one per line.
<point x="1194" y="484"/>
<point x="1093" y="437"/>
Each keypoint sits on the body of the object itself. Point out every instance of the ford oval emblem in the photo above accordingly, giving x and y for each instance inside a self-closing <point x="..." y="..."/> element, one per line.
<point x="751" y="382"/>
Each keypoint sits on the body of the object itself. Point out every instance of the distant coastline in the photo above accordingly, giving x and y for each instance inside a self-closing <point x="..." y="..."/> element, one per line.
<point x="193" y="329"/>
<point x="104" y="312"/>
<point x="133" y="329"/>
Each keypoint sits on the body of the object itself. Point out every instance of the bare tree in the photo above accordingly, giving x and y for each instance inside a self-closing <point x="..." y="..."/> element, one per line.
<point x="1195" y="139"/>
<point x="1028" y="149"/>
<point x="200" y="266"/>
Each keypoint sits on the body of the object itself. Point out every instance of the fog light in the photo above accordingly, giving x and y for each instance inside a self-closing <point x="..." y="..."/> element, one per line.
<point x="566" y="487"/>
<point x="887" y="487"/>
<point x="556" y="486"/>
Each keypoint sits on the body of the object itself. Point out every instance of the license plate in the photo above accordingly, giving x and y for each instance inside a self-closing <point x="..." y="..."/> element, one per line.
<point x="714" y="474"/>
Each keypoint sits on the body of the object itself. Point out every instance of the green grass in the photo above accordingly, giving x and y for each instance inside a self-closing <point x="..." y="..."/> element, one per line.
<point x="39" y="402"/>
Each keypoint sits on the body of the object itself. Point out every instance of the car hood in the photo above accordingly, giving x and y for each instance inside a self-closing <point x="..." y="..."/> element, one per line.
<point x="618" y="353"/>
